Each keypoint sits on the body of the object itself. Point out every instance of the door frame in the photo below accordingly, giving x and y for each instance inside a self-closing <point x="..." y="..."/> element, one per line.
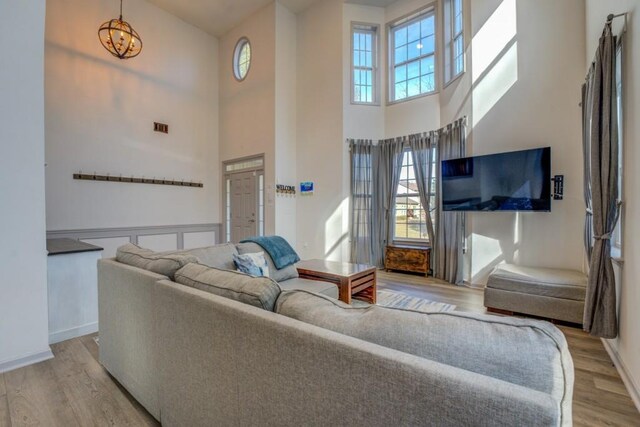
<point x="259" y="168"/>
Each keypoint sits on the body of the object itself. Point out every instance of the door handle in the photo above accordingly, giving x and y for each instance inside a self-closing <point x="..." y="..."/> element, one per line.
<point x="252" y="220"/>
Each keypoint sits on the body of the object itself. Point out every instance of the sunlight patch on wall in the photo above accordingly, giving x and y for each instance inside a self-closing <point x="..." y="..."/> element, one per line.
<point x="336" y="231"/>
<point x="493" y="38"/>
<point x="517" y="229"/>
<point x="486" y="253"/>
<point x="495" y="84"/>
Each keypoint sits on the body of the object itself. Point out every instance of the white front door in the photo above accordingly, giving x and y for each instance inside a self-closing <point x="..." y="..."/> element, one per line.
<point x="244" y="205"/>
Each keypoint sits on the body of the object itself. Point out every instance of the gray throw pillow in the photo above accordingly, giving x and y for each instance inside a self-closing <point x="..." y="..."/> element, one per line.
<point x="289" y="272"/>
<point x="161" y="263"/>
<point x="527" y="352"/>
<point x="257" y="291"/>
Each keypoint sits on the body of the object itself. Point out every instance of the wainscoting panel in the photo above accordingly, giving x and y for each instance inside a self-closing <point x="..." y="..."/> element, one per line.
<point x="109" y="244"/>
<point x="159" y="242"/>
<point x="199" y="240"/>
<point x="157" y="237"/>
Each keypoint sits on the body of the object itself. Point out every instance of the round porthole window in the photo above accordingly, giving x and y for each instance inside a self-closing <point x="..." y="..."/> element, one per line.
<point x="242" y="59"/>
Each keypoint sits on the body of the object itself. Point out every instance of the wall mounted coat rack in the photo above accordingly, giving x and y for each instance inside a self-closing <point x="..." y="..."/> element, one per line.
<point x="135" y="180"/>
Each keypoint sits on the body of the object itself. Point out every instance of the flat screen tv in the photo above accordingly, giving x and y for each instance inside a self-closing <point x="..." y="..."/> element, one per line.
<point x="515" y="181"/>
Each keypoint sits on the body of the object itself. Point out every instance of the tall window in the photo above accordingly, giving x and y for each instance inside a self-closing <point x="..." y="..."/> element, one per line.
<point x="361" y="183"/>
<point x="261" y="204"/>
<point x="364" y="63"/>
<point x="617" y="232"/>
<point x="228" y="210"/>
<point x="412" y="57"/>
<point x="410" y="216"/>
<point x="454" y="39"/>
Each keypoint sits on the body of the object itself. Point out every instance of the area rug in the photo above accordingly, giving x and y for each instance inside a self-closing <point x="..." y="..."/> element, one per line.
<point x="388" y="298"/>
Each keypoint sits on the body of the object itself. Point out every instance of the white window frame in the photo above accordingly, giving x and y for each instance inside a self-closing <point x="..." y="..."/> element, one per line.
<point x="237" y="51"/>
<point x="245" y="164"/>
<point x="618" y="232"/>
<point x="374" y="30"/>
<point x="432" y="193"/>
<point x="450" y="39"/>
<point x="405" y="22"/>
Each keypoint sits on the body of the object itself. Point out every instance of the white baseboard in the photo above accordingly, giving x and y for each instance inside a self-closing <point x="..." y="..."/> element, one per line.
<point x="29" y="359"/>
<point x="468" y="284"/>
<point x="67" y="334"/>
<point x="632" y="387"/>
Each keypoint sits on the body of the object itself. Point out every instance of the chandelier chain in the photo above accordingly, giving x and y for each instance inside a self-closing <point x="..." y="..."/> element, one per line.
<point x="129" y="45"/>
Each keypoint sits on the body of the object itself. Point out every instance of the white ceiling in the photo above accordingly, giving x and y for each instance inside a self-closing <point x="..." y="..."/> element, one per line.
<point x="216" y="17"/>
<point x="379" y="3"/>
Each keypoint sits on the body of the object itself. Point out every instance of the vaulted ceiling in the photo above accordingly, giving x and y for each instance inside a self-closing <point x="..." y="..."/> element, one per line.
<point x="216" y="17"/>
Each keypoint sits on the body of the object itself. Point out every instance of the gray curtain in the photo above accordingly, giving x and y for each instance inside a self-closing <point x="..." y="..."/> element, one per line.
<point x="386" y="177"/>
<point x="361" y="193"/>
<point x="587" y="105"/>
<point x="602" y="151"/>
<point x="423" y="147"/>
<point x="449" y="229"/>
<point x="375" y="174"/>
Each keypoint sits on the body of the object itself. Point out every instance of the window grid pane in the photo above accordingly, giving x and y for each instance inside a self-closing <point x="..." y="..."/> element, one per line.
<point x="454" y="39"/>
<point x="409" y="215"/>
<point x="261" y="205"/>
<point x="414" y="58"/>
<point x="228" y="215"/>
<point x="363" y="66"/>
<point x="458" y="55"/>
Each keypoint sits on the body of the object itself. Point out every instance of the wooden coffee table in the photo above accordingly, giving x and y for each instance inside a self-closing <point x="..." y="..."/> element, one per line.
<point x="352" y="279"/>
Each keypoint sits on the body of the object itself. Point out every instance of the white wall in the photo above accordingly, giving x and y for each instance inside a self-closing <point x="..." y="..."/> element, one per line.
<point x="285" y="116"/>
<point x="627" y="346"/>
<point x="100" y="112"/>
<point x="322" y="218"/>
<point x="420" y="114"/>
<point x="23" y="288"/>
<point x="526" y="71"/>
<point x="363" y="121"/>
<point x="385" y="120"/>
<point x="515" y="98"/>
<point x="247" y="108"/>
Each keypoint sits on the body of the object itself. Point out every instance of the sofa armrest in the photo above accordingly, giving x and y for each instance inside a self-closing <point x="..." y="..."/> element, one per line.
<point x="127" y="329"/>
<point x="222" y="360"/>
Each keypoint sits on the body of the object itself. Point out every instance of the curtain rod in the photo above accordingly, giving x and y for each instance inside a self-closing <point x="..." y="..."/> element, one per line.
<point x="461" y="121"/>
<point x="611" y="16"/>
<point x="610" y="19"/>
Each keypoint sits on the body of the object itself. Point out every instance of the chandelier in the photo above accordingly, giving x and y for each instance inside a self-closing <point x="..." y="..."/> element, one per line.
<point x="119" y="38"/>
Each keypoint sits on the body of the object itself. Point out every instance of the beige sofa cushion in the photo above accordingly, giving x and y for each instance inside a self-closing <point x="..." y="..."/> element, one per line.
<point x="218" y="256"/>
<point x="160" y="263"/>
<point x="257" y="291"/>
<point x="546" y="282"/>
<point x="526" y="352"/>
<point x="315" y="286"/>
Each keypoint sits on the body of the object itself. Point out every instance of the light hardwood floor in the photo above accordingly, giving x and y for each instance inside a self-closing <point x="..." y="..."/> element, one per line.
<point x="74" y="390"/>
<point x="599" y="396"/>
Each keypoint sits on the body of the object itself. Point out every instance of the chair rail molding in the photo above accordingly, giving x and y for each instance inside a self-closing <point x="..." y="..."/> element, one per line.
<point x="134" y="233"/>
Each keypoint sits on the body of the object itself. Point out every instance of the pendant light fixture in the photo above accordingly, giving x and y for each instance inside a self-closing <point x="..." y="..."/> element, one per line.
<point x="119" y="38"/>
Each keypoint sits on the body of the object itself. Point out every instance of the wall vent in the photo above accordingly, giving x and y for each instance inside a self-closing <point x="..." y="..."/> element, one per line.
<point x="160" y="127"/>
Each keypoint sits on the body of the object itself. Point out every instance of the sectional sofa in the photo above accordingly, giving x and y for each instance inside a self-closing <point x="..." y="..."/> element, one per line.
<point x="199" y="345"/>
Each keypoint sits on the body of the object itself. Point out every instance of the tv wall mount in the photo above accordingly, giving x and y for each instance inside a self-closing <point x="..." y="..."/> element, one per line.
<point x="558" y="187"/>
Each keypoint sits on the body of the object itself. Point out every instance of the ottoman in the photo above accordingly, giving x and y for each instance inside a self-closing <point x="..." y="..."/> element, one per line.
<point x="546" y="292"/>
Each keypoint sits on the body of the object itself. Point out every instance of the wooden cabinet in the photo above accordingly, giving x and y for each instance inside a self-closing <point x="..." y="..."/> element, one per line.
<point x="414" y="259"/>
